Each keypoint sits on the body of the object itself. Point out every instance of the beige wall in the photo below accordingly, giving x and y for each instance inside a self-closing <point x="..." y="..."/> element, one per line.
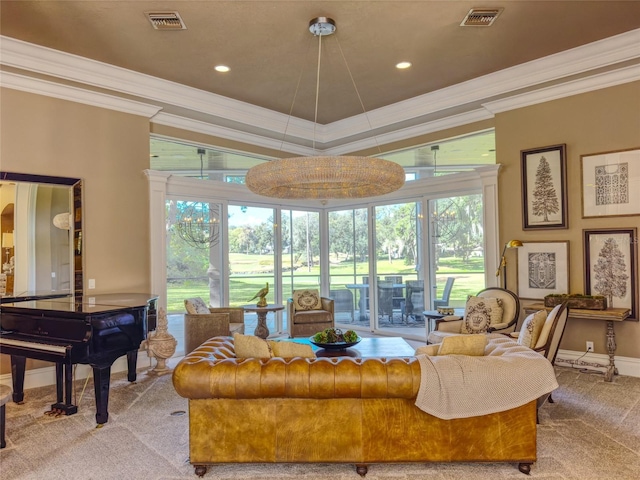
<point x="594" y="122"/>
<point x="109" y="150"/>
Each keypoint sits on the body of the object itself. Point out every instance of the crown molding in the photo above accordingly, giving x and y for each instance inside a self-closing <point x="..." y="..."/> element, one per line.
<point x="74" y="94"/>
<point x="198" y="126"/>
<point x="55" y="63"/>
<point x="574" y="87"/>
<point x="411" y="132"/>
<point x="377" y="124"/>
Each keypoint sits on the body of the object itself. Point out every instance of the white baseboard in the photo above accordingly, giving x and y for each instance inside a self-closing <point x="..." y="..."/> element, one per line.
<point x="626" y="365"/>
<point x="42" y="377"/>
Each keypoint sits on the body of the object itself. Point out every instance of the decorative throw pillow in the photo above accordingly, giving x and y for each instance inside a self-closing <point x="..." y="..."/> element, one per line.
<point x="291" y="349"/>
<point x="546" y="328"/>
<point x="248" y="346"/>
<point x="196" y="306"/>
<point x="472" y="345"/>
<point x="480" y="313"/>
<point x="531" y="328"/>
<point x="306" y="300"/>
<point x="429" y="350"/>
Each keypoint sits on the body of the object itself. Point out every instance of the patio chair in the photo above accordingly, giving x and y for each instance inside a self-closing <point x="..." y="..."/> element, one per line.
<point x="446" y="293"/>
<point x="385" y="300"/>
<point x="414" y="305"/>
<point x="343" y="301"/>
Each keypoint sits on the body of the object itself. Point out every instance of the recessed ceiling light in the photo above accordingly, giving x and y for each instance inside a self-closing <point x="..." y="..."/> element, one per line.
<point x="403" y="65"/>
<point x="222" y="68"/>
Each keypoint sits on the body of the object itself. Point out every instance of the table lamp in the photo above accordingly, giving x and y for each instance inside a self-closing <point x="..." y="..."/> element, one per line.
<point x="503" y="260"/>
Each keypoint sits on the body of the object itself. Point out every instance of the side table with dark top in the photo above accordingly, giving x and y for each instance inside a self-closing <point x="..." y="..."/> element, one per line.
<point x="262" y="330"/>
<point x="433" y="315"/>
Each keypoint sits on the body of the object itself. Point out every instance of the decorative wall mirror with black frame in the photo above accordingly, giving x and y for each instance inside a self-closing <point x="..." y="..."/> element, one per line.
<point x="41" y="233"/>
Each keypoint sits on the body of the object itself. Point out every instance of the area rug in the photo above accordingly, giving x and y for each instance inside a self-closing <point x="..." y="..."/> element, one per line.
<point x="591" y="432"/>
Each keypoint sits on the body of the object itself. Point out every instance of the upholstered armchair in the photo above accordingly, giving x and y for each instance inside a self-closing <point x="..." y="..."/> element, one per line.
<point x="491" y="310"/>
<point x="202" y="322"/>
<point x="308" y="313"/>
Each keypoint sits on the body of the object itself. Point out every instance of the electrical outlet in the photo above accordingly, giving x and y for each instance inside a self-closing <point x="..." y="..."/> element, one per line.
<point x="92" y="283"/>
<point x="589" y="346"/>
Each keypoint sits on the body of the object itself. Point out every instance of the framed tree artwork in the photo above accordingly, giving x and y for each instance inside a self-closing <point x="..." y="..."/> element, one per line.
<point x="611" y="184"/>
<point x="543" y="269"/>
<point x="611" y="268"/>
<point x="544" y="188"/>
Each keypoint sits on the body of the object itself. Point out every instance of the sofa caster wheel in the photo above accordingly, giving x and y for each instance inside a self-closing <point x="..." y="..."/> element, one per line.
<point x="362" y="470"/>
<point x="525" y="468"/>
<point x="200" y="470"/>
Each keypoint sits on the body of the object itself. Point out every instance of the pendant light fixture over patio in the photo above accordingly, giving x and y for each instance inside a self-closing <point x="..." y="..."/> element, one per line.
<point x="198" y="223"/>
<point x="325" y="177"/>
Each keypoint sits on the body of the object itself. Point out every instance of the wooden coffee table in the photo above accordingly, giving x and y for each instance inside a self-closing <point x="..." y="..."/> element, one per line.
<point x="367" y="348"/>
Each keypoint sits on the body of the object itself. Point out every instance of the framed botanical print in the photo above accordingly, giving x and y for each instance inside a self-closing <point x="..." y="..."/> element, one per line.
<point x="611" y="268"/>
<point x="611" y="184"/>
<point x="544" y="188"/>
<point x="543" y="269"/>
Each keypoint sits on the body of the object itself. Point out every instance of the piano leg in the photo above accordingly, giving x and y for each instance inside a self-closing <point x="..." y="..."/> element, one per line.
<point x="64" y="389"/>
<point x="101" y="376"/>
<point x="132" y="361"/>
<point x="18" y="365"/>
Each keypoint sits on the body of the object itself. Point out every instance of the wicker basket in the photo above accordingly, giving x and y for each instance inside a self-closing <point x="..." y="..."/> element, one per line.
<point x="584" y="302"/>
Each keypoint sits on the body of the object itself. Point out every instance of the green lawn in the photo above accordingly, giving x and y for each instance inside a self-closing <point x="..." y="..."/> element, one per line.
<point x="250" y="272"/>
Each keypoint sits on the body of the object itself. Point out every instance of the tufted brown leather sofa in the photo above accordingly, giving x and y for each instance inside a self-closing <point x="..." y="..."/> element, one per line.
<point x="332" y="410"/>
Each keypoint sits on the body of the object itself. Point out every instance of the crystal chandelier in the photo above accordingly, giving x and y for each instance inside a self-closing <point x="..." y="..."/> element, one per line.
<point x="324" y="177"/>
<point x="198" y="223"/>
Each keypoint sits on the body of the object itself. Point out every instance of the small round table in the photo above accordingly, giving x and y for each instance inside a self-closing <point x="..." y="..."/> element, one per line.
<point x="262" y="330"/>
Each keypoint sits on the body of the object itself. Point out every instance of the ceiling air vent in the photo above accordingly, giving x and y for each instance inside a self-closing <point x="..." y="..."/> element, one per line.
<point x="166" y="20"/>
<point x="481" y="17"/>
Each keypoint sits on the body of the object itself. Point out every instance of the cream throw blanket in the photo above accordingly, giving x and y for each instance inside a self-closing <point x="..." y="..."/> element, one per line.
<point x="507" y="376"/>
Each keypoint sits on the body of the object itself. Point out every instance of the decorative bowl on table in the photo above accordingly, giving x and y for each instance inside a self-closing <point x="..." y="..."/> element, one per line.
<point x="334" y="339"/>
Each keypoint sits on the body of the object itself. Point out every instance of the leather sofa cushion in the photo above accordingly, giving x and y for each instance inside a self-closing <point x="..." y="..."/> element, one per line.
<point x="213" y="371"/>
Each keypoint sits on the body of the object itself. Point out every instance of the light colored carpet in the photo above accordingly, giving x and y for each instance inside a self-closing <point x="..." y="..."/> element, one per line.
<point x="592" y="432"/>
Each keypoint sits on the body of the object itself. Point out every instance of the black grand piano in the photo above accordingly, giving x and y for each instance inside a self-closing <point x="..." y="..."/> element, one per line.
<point x="93" y="330"/>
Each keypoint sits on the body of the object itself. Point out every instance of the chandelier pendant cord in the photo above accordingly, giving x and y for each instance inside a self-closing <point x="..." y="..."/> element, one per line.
<point x="315" y="116"/>
<point x="293" y="102"/>
<point x="353" y="82"/>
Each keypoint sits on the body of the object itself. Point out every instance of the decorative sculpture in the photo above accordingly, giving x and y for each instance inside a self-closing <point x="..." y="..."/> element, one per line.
<point x="160" y="345"/>
<point x="263" y="296"/>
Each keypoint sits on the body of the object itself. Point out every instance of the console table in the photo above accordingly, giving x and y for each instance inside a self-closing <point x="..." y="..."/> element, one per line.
<point x="610" y="315"/>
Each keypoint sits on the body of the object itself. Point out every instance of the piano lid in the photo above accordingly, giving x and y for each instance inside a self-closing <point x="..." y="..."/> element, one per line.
<point x="82" y="304"/>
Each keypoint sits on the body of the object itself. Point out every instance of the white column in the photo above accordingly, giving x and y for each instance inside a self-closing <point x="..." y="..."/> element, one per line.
<point x="157" y="227"/>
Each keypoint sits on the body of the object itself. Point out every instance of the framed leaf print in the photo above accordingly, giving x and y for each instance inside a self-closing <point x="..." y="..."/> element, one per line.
<point x="544" y="188"/>
<point x="611" y="184"/>
<point x="611" y="268"/>
<point x="543" y="269"/>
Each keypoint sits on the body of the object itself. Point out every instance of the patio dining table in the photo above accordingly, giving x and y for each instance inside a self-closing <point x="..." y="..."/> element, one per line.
<point x="360" y="289"/>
